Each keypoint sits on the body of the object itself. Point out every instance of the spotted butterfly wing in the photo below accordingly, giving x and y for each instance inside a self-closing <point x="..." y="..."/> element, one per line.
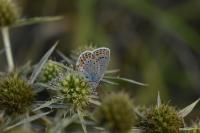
<point x="93" y="64"/>
<point x="102" y="57"/>
<point x="88" y="66"/>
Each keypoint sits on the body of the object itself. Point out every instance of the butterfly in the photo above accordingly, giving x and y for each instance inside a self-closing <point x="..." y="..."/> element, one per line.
<point x="93" y="64"/>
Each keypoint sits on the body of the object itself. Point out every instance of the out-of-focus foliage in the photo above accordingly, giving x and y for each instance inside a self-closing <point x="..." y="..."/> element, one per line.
<point x="152" y="41"/>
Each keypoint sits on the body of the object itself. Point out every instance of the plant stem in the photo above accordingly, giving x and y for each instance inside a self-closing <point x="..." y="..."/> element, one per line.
<point x="6" y="40"/>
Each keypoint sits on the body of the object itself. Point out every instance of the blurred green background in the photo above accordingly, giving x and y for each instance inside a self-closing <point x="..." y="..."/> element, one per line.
<point x="151" y="41"/>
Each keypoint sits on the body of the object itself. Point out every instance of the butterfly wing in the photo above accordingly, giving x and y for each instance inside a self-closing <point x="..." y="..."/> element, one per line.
<point x="102" y="57"/>
<point x="88" y="66"/>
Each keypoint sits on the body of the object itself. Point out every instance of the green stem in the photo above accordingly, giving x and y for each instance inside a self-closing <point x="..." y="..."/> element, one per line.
<point x="6" y="40"/>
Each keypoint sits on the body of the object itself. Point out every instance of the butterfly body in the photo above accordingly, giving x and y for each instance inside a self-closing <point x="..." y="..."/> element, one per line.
<point x="93" y="64"/>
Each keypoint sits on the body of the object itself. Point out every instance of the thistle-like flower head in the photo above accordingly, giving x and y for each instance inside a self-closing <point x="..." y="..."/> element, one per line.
<point x="16" y="95"/>
<point x="116" y="113"/>
<point x="8" y="13"/>
<point x="50" y="71"/>
<point x="162" y="119"/>
<point x="75" y="90"/>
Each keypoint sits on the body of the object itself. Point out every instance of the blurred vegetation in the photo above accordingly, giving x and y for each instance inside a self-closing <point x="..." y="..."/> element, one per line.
<point x="151" y="41"/>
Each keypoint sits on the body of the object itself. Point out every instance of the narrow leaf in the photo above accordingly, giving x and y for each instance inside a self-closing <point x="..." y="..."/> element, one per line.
<point x="184" y="112"/>
<point x="39" y="67"/>
<point x="126" y="80"/>
<point x="36" y="20"/>
<point x="63" y="123"/>
<point x="109" y="82"/>
<point x="112" y="71"/>
<point x="29" y="119"/>
<point x="46" y="86"/>
<point x="189" y="129"/>
<point x="65" y="58"/>
<point x="95" y="102"/>
<point x="82" y="121"/>
<point x="44" y="105"/>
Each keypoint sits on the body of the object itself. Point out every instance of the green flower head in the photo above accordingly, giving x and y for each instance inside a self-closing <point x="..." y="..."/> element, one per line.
<point x="75" y="90"/>
<point x="162" y="119"/>
<point x="116" y="113"/>
<point x="8" y="13"/>
<point x="50" y="71"/>
<point x="16" y="95"/>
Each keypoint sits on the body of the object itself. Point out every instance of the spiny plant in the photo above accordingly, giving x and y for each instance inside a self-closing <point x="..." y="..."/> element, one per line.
<point x="16" y="95"/>
<point x="164" y="118"/>
<point x="116" y="113"/>
<point x="50" y="71"/>
<point x="74" y="90"/>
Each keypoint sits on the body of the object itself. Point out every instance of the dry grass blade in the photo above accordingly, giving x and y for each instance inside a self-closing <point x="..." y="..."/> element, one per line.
<point x="40" y="65"/>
